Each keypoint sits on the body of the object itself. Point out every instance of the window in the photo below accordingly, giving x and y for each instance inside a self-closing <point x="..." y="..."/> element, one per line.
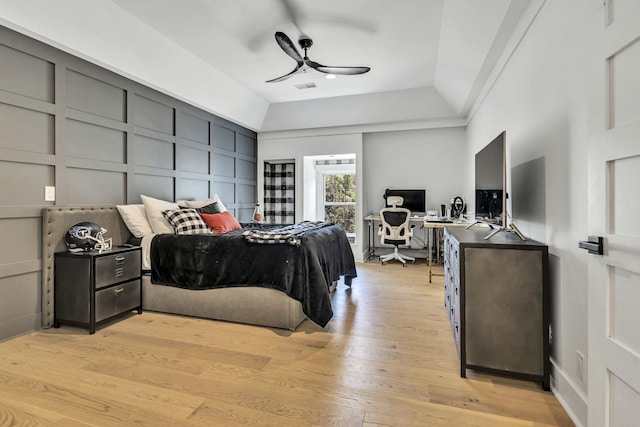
<point x="339" y="201"/>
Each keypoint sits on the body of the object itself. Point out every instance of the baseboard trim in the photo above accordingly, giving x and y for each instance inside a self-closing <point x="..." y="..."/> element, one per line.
<point x="573" y="400"/>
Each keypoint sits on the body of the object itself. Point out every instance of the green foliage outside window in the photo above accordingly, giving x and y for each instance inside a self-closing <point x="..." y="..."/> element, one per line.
<point x="340" y="188"/>
<point x="340" y="200"/>
<point x="342" y="215"/>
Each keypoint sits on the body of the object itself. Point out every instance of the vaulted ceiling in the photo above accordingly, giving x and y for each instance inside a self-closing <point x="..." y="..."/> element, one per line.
<point x="218" y="54"/>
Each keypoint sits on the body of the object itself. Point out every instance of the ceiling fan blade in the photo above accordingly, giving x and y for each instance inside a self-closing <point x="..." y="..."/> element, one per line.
<point x="285" y="77"/>
<point x="289" y="48"/>
<point x="336" y="70"/>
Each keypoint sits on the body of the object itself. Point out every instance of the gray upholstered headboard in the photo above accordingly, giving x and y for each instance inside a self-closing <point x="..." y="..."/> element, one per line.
<point x="55" y="223"/>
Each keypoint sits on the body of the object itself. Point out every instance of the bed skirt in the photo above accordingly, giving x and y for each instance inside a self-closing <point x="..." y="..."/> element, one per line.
<point x="251" y="305"/>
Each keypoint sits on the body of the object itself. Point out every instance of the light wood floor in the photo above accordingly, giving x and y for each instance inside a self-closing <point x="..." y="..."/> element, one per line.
<point x="387" y="358"/>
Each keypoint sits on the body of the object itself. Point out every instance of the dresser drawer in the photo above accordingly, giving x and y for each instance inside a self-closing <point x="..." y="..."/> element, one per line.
<point x="116" y="268"/>
<point x="117" y="299"/>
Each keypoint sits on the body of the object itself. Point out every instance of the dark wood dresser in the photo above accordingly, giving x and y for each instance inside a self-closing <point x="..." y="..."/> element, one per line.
<point x="497" y="296"/>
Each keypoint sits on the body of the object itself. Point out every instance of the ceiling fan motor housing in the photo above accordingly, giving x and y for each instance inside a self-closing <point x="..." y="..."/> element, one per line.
<point x="305" y="41"/>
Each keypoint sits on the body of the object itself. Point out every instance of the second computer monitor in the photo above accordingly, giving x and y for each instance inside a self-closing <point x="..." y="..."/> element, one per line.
<point x="414" y="200"/>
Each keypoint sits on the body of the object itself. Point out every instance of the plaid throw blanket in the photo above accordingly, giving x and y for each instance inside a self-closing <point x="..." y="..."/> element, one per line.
<point x="287" y="234"/>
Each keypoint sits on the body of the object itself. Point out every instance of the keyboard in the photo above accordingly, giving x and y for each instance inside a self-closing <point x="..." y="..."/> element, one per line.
<point x="440" y="220"/>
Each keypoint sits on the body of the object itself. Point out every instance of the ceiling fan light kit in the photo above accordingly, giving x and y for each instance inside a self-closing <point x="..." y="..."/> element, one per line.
<point x="304" y="64"/>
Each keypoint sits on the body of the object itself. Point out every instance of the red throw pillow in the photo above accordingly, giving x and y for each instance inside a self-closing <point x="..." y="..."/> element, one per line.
<point x="221" y="222"/>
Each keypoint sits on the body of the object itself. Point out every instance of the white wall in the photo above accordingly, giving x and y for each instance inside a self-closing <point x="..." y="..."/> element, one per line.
<point x="433" y="159"/>
<point x="373" y="108"/>
<point x="539" y="99"/>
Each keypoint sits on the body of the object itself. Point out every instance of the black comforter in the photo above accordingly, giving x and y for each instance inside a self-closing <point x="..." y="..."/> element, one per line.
<point x="303" y="272"/>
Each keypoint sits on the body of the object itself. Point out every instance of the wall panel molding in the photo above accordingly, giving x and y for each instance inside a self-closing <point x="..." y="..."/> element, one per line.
<point x="100" y="139"/>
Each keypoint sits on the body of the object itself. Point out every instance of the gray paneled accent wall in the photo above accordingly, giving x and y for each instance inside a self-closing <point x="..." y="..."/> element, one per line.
<point x="100" y="139"/>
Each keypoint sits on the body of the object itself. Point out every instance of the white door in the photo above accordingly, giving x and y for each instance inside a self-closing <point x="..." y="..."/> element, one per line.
<point x="614" y="213"/>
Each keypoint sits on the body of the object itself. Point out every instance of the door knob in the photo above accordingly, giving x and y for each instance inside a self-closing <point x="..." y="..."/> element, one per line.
<point x="594" y="245"/>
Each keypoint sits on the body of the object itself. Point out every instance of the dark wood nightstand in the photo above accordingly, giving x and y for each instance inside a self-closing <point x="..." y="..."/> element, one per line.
<point x="91" y="287"/>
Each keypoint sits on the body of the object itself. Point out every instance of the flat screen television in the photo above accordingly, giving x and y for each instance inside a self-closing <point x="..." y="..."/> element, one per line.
<point x="491" y="182"/>
<point x="414" y="200"/>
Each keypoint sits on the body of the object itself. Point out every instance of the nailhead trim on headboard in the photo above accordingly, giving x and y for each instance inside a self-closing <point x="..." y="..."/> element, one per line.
<point x="55" y="223"/>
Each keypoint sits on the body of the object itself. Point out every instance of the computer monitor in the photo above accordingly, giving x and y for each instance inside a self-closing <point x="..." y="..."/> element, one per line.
<point x="414" y="200"/>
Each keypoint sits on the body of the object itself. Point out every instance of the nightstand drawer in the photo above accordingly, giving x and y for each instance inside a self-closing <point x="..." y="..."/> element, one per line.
<point x="118" y="267"/>
<point x="117" y="299"/>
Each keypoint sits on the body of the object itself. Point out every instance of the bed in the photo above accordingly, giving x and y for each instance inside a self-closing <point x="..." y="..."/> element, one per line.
<point x="281" y="306"/>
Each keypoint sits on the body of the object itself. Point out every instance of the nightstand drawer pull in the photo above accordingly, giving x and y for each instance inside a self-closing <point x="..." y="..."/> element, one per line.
<point x="119" y="260"/>
<point x="118" y="291"/>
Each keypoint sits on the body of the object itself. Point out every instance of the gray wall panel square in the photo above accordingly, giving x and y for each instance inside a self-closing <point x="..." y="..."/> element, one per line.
<point x="222" y="165"/>
<point x="89" y="141"/>
<point x="96" y="97"/>
<point x="95" y="187"/>
<point x="24" y="291"/>
<point x="23" y="183"/>
<point x="160" y="187"/>
<point x="26" y="75"/>
<point x="245" y="193"/>
<point x="244" y="215"/>
<point x="192" y="189"/>
<point x="26" y="130"/>
<point x="153" y="115"/>
<point x="26" y="232"/>
<point x="194" y="128"/>
<point x="245" y="169"/>
<point x="245" y="145"/>
<point x="225" y="190"/>
<point x="152" y="152"/>
<point x="192" y="160"/>
<point x="223" y="138"/>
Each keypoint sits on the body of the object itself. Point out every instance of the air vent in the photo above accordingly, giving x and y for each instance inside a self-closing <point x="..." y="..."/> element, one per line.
<point x="309" y="85"/>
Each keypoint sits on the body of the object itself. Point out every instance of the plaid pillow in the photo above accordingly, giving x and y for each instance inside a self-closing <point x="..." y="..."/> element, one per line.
<point x="186" y="221"/>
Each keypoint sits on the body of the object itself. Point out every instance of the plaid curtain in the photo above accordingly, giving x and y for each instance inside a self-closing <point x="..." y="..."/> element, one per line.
<point x="279" y="193"/>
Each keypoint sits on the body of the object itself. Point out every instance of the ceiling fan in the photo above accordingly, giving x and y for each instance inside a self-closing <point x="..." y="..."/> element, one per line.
<point x="304" y="64"/>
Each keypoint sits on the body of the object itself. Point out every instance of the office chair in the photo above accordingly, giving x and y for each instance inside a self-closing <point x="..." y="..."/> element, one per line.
<point x="395" y="230"/>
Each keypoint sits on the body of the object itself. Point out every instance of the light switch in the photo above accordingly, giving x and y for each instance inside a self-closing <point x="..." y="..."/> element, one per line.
<point x="49" y="193"/>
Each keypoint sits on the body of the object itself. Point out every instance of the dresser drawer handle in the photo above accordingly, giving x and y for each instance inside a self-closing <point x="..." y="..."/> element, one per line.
<point x="120" y="260"/>
<point x="119" y="291"/>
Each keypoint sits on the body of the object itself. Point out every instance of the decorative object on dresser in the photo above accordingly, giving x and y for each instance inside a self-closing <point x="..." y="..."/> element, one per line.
<point x="93" y="286"/>
<point x="497" y="296"/>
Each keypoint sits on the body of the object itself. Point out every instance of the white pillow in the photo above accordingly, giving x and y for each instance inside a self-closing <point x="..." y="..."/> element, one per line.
<point x="203" y="203"/>
<point x="154" y="208"/>
<point x="135" y="218"/>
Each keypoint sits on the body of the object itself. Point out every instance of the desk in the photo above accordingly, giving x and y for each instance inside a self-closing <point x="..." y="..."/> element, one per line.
<point x="372" y="218"/>
<point x="434" y="227"/>
<point x="430" y="227"/>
